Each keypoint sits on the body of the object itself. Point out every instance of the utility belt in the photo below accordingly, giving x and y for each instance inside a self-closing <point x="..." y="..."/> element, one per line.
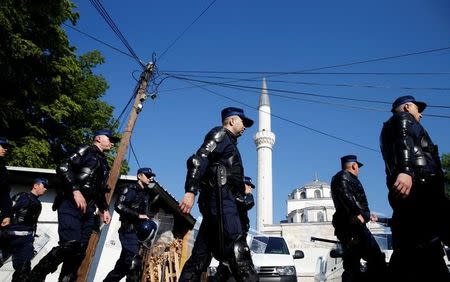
<point x="8" y="234"/>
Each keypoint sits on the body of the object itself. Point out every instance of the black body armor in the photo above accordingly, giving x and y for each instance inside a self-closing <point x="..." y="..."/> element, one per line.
<point x="86" y="170"/>
<point x="218" y="149"/>
<point x="407" y="148"/>
<point x="132" y="202"/>
<point x="26" y="210"/>
<point x="349" y="199"/>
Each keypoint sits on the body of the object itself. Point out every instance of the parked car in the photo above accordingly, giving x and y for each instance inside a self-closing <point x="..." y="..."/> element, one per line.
<point x="272" y="260"/>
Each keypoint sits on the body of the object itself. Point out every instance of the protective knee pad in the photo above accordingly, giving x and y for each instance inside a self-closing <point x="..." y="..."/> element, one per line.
<point x="135" y="269"/>
<point x="241" y="263"/>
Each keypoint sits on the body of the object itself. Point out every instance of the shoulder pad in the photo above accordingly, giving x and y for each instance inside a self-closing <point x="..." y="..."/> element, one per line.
<point x="219" y="135"/>
<point x="82" y="150"/>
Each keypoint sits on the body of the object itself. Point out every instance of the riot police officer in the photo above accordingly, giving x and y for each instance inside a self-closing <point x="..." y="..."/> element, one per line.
<point x="349" y="221"/>
<point x="133" y="205"/>
<point x="84" y="175"/>
<point x="415" y="180"/>
<point x="5" y="198"/>
<point x="216" y="172"/>
<point x="20" y="233"/>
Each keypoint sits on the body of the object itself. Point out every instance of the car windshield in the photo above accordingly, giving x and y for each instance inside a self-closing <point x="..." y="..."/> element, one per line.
<point x="269" y="245"/>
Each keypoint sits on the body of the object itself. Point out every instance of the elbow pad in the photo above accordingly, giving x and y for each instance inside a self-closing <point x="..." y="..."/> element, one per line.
<point x="193" y="175"/>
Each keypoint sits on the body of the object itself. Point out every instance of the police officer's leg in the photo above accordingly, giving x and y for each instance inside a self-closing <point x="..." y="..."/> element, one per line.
<point x="236" y="250"/>
<point x="69" y="229"/>
<point x="135" y="269"/>
<point x="130" y="248"/>
<point x="351" y="259"/>
<point x="22" y="247"/>
<point x="86" y="224"/>
<point x="200" y="257"/>
<point x="241" y="263"/>
<point x="375" y="258"/>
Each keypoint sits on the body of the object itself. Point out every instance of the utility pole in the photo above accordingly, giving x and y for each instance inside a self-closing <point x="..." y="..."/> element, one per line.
<point x="114" y="175"/>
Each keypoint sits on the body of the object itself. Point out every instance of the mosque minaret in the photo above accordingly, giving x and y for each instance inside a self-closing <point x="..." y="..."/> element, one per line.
<point x="264" y="140"/>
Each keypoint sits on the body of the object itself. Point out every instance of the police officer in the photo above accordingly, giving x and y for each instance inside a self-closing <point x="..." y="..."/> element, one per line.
<point x="216" y="172"/>
<point x="415" y="181"/>
<point x="5" y="198"/>
<point x="349" y="220"/>
<point x="84" y="175"/>
<point x="26" y="209"/>
<point x="133" y="206"/>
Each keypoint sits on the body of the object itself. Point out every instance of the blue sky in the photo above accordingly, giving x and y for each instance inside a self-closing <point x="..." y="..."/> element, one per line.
<point x="276" y="36"/>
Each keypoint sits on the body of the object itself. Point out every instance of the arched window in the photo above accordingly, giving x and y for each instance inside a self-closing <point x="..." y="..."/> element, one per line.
<point x="317" y="194"/>
<point x="320" y="217"/>
<point x="303" y="195"/>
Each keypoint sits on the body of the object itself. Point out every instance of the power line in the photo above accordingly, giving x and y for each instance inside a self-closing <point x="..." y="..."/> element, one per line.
<point x="100" y="41"/>
<point x="299" y="93"/>
<point x="184" y="31"/>
<point x="274" y="73"/>
<point x="313" y="70"/>
<point x="104" y="14"/>
<point x="134" y="154"/>
<point x="285" y="119"/>
<point x="314" y="83"/>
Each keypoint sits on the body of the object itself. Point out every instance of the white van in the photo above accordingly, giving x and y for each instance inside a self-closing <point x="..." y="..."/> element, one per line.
<point x="272" y="259"/>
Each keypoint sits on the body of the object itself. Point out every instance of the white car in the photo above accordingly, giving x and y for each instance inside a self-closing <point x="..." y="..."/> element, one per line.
<point x="272" y="259"/>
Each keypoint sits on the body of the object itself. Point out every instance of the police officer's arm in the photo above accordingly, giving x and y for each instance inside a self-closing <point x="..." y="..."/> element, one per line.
<point x="196" y="167"/>
<point x="19" y="201"/>
<point x="122" y="205"/>
<point x="66" y="168"/>
<point x="404" y="152"/>
<point x="343" y="195"/>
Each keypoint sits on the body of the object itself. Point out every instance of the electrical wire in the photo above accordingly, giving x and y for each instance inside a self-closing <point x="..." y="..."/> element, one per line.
<point x="313" y="70"/>
<point x="134" y="154"/>
<point x="312" y="83"/>
<point x="300" y="93"/>
<point x="104" y="14"/>
<point x="98" y="40"/>
<point x="287" y="120"/>
<point x="184" y="31"/>
<point x="327" y="103"/>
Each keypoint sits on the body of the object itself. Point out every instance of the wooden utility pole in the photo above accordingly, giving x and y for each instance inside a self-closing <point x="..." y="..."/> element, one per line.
<point x="114" y="175"/>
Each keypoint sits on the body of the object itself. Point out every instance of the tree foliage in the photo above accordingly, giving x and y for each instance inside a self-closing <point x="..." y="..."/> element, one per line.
<point x="446" y="167"/>
<point x="50" y="99"/>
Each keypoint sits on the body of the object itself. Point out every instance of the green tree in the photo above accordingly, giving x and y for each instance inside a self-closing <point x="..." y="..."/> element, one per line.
<point x="50" y="99"/>
<point x="446" y="167"/>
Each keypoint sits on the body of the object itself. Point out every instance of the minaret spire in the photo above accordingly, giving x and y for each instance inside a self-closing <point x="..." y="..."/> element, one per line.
<point x="264" y="140"/>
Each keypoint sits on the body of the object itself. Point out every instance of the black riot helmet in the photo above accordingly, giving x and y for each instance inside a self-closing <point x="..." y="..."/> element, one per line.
<point x="146" y="232"/>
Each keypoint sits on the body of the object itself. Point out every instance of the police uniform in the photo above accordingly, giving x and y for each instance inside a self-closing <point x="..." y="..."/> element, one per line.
<point x="350" y="201"/>
<point x="217" y="171"/>
<point x="421" y="220"/>
<point x="5" y="189"/>
<point x="87" y="171"/>
<point x="26" y="209"/>
<point x="133" y="201"/>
